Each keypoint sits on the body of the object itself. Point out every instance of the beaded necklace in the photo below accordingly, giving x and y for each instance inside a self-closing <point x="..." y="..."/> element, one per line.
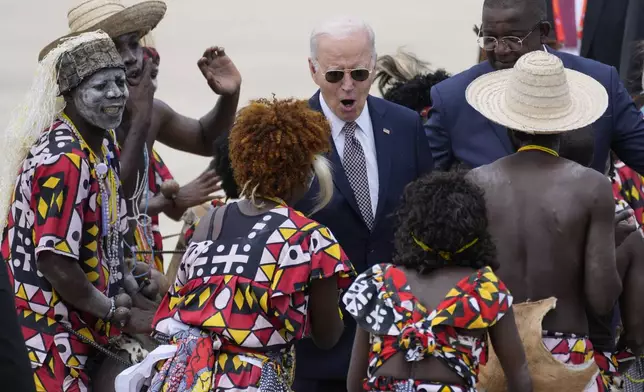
<point x="539" y="148"/>
<point x="108" y="199"/>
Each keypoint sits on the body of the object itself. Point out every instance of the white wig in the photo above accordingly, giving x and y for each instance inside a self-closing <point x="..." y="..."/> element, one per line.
<point x="35" y="115"/>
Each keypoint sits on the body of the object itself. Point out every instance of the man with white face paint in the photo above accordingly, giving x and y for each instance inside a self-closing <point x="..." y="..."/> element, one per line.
<point x="378" y="148"/>
<point x="64" y="215"/>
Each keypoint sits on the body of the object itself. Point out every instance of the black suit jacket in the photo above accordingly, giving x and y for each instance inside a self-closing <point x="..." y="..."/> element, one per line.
<point x="403" y="155"/>
<point x="604" y="27"/>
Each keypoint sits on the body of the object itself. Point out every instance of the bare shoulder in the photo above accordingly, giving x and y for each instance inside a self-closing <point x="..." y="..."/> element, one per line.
<point x="482" y="175"/>
<point x="597" y="187"/>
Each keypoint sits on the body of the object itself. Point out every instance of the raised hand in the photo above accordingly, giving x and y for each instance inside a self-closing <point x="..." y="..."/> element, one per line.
<point x="142" y="91"/>
<point x="625" y="224"/>
<point x="199" y="191"/>
<point x="220" y="71"/>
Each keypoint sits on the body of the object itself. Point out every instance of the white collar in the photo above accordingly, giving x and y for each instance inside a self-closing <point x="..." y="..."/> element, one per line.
<point x="363" y="121"/>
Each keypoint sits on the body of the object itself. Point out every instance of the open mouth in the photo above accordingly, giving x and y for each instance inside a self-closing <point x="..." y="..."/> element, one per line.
<point x="133" y="74"/>
<point x="348" y="104"/>
<point x="113" y="110"/>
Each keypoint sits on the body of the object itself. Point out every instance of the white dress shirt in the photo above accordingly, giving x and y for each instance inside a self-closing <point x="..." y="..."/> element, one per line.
<point x="364" y="134"/>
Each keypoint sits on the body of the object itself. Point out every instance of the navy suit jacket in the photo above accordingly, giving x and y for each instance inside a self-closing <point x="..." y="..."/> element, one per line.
<point x="403" y="155"/>
<point x="457" y="132"/>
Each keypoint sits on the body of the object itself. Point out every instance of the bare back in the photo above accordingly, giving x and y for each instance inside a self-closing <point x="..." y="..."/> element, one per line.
<point x="552" y="222"/>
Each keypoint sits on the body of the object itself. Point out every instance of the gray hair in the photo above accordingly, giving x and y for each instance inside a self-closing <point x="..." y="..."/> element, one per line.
<point x="341" y="27"/>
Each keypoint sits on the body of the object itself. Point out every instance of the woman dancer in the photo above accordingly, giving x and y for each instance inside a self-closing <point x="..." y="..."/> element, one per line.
<point x="258" y="275"/>
<point x="424" y="319"/>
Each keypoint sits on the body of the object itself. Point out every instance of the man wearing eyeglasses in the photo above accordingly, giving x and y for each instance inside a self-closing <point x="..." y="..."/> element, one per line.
<point x="378" y="148"/>
<point x="457" y="133"/>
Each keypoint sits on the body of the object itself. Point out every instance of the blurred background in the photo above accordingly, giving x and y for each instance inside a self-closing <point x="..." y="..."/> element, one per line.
<point x="268" y="41"/>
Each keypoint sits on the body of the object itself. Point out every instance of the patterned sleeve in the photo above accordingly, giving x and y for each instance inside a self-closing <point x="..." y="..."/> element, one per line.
<point x="316" y="254"/>
<point x="161" y="171"/>
<point x="60" y="192"/>
<point x="369" y="295"/>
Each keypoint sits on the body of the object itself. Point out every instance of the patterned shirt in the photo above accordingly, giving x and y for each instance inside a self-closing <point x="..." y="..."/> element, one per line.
<point x="383" y="304"/>
<point x="248" y="298"/>
<point x="56" y="208"/>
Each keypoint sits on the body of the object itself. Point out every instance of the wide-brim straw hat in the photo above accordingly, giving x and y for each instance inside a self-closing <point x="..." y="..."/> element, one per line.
<point x="538" y="96"/>
<point x="111" y="16"/>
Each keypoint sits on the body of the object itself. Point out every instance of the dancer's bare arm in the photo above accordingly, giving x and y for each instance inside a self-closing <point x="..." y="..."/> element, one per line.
<point x="359" y="361"/>
<point x="602" y="284"/>
<point x="198" y="136"/>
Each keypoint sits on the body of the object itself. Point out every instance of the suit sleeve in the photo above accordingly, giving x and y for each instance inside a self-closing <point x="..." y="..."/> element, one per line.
<point x="424" y="160"/>
<point x="628" y="126"/>
<point x="439" y="142"/>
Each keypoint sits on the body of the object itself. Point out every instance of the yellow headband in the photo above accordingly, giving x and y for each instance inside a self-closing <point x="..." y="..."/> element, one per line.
<point x="444" y="254"/>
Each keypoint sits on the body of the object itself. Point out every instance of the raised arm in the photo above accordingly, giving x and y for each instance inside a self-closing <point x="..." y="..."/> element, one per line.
<point x="133" y="133"/>
<point x="197" y="136"/>
<point x="436" y="133"/>
<point x="602" y="284"/>
<point x="628" y="126"/>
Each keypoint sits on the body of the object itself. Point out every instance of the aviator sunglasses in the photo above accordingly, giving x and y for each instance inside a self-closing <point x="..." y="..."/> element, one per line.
<point x="357" y="74"/>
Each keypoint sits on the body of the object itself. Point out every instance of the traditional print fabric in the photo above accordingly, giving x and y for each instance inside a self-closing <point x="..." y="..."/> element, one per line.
<point x="571" y="349"/>
<point x="382" y="302"/>
<point x="629" y="187"/>
<point x="355" y="167"/>
<point x="247" y="301"/>
<point x="56" y="208"/>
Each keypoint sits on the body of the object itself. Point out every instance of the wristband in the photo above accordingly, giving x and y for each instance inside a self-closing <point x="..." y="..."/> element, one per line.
<point x="110" y="314"/>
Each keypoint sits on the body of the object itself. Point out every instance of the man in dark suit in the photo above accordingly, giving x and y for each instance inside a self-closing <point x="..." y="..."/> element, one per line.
<point x="457" y="133"/>
<point x="604" y="28"/>
<point x="378" y="148"/>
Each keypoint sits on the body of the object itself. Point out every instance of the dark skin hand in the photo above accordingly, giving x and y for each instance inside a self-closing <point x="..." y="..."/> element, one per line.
<point x="198" y="191"/>
<point x="624" y="226"/>
<point x="70" y="282"/>
<point x="431" y="290"/>
<point x="553" y="223"/>
<point x="503" y="22"/>
<point x="197" y="136"/>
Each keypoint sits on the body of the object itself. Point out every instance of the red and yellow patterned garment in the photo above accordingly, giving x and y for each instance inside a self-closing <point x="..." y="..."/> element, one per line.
<point x="239" y="304"/>
<point x="629" y="187"/>
<point x="56" y="208"/>
<point x="383" y="304"/>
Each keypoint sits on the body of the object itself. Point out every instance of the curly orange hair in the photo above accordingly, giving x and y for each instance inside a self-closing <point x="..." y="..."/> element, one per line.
<point x="273" y="145"/>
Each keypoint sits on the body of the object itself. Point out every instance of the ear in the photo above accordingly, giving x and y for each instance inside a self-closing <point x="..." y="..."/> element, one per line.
<point x="312" y="68"/>
<point x="545" y="28"/>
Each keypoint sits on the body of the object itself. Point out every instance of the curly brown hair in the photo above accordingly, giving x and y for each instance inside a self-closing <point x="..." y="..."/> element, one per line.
<point x="273" y="145"/>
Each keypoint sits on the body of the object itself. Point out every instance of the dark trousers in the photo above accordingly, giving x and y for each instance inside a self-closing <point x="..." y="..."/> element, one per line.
<point x="311" y="385"/>
<point x="15" y="369"/>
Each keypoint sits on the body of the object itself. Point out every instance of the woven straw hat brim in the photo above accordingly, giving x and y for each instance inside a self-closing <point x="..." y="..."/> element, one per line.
<point x="589" y="101"/>
<point x="141" y="17"/>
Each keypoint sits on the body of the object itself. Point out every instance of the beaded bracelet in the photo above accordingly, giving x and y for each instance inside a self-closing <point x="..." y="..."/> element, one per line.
<point x="110" y="314"/>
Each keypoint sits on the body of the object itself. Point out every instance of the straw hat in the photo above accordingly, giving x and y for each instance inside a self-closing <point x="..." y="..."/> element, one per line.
<point x="538" y="96"/>
<point x="111" y="16"/>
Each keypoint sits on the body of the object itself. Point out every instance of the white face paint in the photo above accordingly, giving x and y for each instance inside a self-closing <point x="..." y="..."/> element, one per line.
<point x="101" y="98"/>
